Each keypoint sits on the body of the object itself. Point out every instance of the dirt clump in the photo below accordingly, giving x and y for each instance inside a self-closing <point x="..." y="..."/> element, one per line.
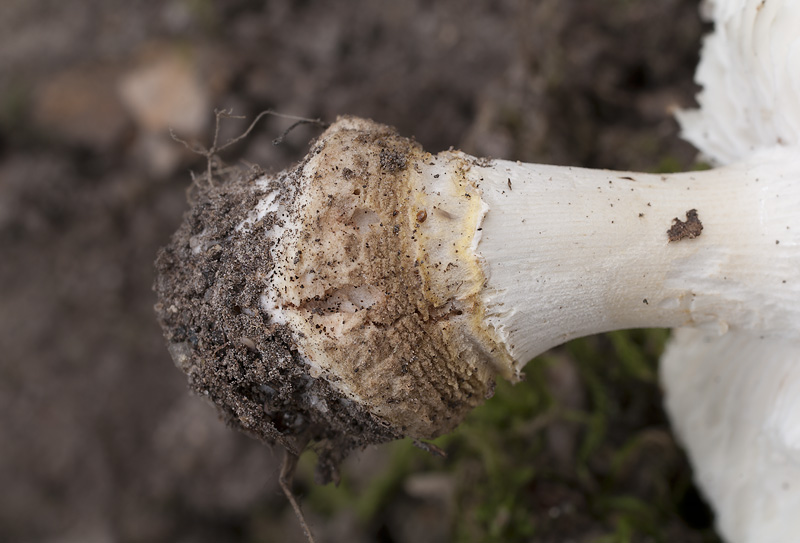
<point x="209" y="280"/>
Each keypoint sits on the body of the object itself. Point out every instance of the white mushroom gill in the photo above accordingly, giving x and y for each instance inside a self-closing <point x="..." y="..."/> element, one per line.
<point x="734" y="399"/>
<point x="750" y="78"/>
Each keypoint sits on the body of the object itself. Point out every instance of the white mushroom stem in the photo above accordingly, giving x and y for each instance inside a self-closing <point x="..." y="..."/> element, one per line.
<point x="570" y="252"/>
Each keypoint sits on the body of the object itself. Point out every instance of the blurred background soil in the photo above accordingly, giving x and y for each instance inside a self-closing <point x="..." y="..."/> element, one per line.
<point x="99" y="439"/>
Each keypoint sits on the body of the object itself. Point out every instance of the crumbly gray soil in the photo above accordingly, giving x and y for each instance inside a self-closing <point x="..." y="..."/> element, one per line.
<point x="232" y="354"/>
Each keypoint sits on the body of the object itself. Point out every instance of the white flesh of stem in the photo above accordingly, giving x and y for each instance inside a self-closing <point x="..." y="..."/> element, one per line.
<point x="570" y="252"/>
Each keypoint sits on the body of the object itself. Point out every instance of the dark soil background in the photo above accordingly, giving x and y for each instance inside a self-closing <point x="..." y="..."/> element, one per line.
<point x="99" y="439"/>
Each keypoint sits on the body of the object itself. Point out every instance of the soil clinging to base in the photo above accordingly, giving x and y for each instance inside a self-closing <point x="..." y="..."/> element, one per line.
<point x="209" y="280"/>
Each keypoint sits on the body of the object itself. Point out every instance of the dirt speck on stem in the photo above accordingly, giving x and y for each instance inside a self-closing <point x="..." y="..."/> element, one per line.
<point x="689" y="229"/>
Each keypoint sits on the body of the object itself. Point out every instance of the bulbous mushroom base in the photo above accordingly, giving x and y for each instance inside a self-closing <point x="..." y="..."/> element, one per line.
<point x="329" y="304"/>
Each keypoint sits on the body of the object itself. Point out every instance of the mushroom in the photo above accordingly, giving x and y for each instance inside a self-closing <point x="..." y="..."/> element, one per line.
<point x="376" y="290"/>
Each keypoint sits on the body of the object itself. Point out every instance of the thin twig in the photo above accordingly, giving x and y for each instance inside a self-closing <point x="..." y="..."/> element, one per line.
<point x="211" y="152"/>
<point x="243" y="134"/>
<point x="197" y="149"/>
<point x="286" y="479"/>
<point x="282" y="137"/>
<point x="430" y="448"/>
